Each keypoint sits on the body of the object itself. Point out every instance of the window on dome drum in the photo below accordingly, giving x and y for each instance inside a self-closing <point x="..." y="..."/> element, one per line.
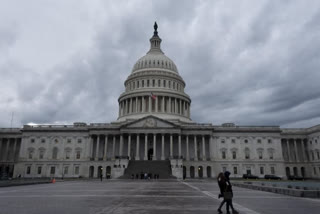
<point x="234" y="155"/>
<point x="138" y="84"/>
<point x="261" y="170"/>
<point x="142" y="83"/>
<point x="153" y="83"/>
<point x="39" y="170"/>
<point x="169" y="84"/>
<point x="147" y="83"/>
<point x="164" y="83"/>
<point x="272" y="170"/>
<point x="235" y="170"/>
<point x="159" y="83"/>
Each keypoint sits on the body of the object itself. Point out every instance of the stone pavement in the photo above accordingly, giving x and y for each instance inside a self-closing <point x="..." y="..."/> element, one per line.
<point x="138" y="196"/>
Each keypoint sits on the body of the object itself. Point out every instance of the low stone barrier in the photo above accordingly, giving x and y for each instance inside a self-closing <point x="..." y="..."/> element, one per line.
<point x="19" y="182"/>
<point x="281" y="190"/>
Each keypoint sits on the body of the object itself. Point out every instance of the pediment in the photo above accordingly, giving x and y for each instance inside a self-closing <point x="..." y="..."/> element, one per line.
<point x="150" y="122"/>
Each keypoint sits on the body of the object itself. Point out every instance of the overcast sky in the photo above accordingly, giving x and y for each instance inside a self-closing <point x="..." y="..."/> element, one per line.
<point x="247" y="62"/>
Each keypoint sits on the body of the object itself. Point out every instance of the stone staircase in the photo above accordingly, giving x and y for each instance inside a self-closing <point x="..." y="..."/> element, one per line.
<point x="160" y="167"/>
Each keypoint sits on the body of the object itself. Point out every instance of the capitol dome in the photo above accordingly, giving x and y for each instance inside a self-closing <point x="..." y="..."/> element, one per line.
<point x="154" y="87"/>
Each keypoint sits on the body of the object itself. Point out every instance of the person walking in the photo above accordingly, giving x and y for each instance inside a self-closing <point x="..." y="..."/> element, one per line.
<point x="225" y="192"/>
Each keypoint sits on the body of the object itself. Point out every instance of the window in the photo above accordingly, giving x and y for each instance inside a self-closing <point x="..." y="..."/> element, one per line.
<point x="32" y="140"/>
<point x="260" y="154"/>
<point x="52" y="170"/>
<point x="43" y="140"/>
<point x="56" y="141"/>
<point x="272" y="170"/>
<point x="159" y="82"/>
<point x="79" y="141"/>
<point x="223" y="154"/>
<point x="247" y="154"/>
<point x="233" y="141"/>
<point x="223" y="141"/>
<point x="234" y="155"/>
<point x="41" y="154"/>
<point x="68" y="152"/>
<point x="138" y="84"/>
<point x="65" y="171"/>
<point x="69" y="141"/>
<point x="245" y="141"/>
<point x="259" y="141"/>
<point x="39" y="170"/>
<point x="28" y="170"/>
<point x="142" y="83"/>
<point x="30" y="154"/>
<point x="164" y="83"/>
<point x="269" y="141"/>
<point x="76" y="170"/>
<point x="271" y="155"/>
<point x="174" y="85"/>
<point x="55" y="153"/>
<point x="148" y="83"/>
<point x="153" y="83"/>
<point x="134" y="85"/>
<point x="261" y="170"/>
<point x="78" y="154"/>
<point x="235" y="170"/>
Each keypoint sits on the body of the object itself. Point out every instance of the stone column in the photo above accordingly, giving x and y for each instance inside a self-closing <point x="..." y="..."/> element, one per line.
<point x="211" y="146"/>
<point x="7" y="150"/>
<point x="121" y="145"/>
<point x="288" y="150"/>
<point x="136" y="105"/>
<point x="179" y="145"/>
<point x="171" y="146"/>
<point x="146" y="147"/>
<point x="162" y="147"/>
<point x="129" y="146"/>
<point x="97" y="148"/>
<point x="303" y="151"/>
<point x="14" y="149"/>
<point x="156" y="104"/>
<point x="203" y="148"/>
<point x="150" y="106"/>
<point x="114" y="147"/>
<point x="187" y="149"/>
<point x="170" y="105"/>
<point x="195" y="150"/>
<point x="296" y="150"/>
<point x="105" y="147"/>
<point x="180" y="106"/>
<point x="154" y="147"/>
<point x="143" y="104"/>
<point x="162" y="104"/>
<point x="130" y="106"/>
<point x="119" y="109"/>
<point x="138" y="147"/>
<point x="175" y="106"/>
<point x="125" y="106"/>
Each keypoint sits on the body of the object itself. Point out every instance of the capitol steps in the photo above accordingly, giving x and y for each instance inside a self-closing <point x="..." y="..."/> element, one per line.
<point x="159" y="167"/>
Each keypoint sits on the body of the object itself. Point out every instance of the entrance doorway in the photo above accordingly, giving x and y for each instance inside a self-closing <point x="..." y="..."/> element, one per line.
<point x="150" y="154"/>
<point x="200" y="172"/>
<point x="192" y="171"/>
<point x="184" y="172"/>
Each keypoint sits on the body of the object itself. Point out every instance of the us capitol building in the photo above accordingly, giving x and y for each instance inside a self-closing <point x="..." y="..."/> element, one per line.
<point x="154" y="128"/>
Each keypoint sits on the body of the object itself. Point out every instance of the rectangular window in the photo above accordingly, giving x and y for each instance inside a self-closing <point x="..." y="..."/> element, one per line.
<point x="66" y="170"/>
<point x="235" y="170"/>
<point x="28" y="170"/>
<point x="261" y="170"/>
<point x="68" y="155"/>
<point x="53" y="170"/>
<point x="223" y="155"/>
<point x="272" y="170"/>
<point x="30" y="155"/>
<point x="234" y="155"/>
<point x="260" y="155"/>
<point x="76" y="170"/>
<point x="78" y="155"/>
<point x="39" y="170"/>
<point x="164" y="83"/>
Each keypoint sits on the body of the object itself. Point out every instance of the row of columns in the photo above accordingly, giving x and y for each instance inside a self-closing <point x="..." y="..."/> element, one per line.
<point x="132" y="85"/>
<point x="292" y="151"/>
<point x="161" y="104"/>
<point x="7" y="153"/>
<point x="137" y="155"/>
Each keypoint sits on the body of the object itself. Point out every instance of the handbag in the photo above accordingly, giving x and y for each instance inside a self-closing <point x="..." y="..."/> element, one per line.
<point x="227" y="195"/>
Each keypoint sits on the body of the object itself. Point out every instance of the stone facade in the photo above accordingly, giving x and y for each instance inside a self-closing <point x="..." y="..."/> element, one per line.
<point x="154" y="123"/>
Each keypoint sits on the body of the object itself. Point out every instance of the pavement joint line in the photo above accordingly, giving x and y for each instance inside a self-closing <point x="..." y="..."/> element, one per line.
<point x="107" y="196"/>
<point x="238" y="207"/>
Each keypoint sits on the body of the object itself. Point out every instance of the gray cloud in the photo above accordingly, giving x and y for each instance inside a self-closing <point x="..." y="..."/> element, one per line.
<point x="252" y="63"/>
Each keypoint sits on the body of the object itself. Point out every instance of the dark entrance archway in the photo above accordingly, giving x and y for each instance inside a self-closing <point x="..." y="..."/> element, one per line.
<point x="287" y="172"/>
<point x="184" y="172"/>
<point x="295" y="171"/>
<point x="209" y="171"/>
<point x="303" y="172"/>
<point x="200" y="171"/>
<point x="191" y="171"/>
<point x="108" y="172"/>
<point x="150" y="154"/>
<point x="91" y="171"/>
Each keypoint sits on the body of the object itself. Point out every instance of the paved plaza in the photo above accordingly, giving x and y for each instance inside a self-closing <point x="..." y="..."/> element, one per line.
<point x="139" y="196"/>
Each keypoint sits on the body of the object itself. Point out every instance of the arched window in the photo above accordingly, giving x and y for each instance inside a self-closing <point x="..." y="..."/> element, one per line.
<point x="234" y="155"/>
<point x="41" y="153"/>
<point x="30" y="152"/>
<point x="55" y="153"/>
<point x="247" y="153"/>
<point x="260" y="153"/>
<point x="68" y="153"/>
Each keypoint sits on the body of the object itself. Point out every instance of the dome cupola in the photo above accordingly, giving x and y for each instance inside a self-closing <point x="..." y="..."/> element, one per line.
<point x="154" y="87"/>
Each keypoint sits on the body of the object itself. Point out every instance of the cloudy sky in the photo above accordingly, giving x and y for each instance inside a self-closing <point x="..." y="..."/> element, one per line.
<point x="247" y="62"/>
